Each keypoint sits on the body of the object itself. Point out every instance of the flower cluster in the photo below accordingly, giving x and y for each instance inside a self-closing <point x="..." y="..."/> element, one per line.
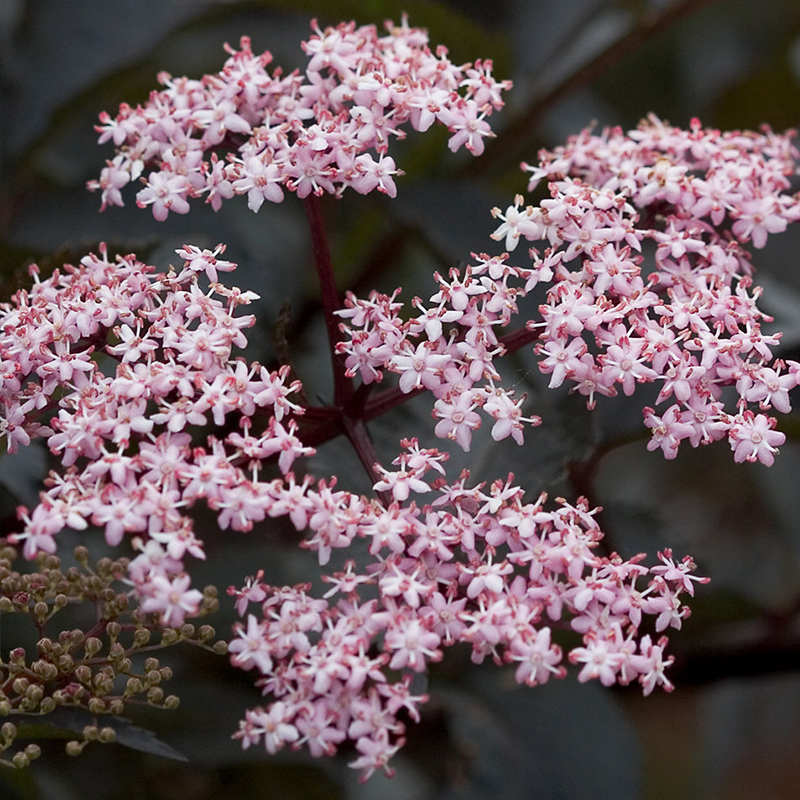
<point x="320" y="132"/>
<point x="479" y="566"/>
<point x="692" y="324"/>
<point x="459" y="342"/>
<point x="474" y="566"/>
<point x="122" y="425"/>
<point x="132" y="377"/>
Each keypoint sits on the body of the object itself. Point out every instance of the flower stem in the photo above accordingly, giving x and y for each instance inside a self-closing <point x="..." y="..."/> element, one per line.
<point x="331" y="301"/>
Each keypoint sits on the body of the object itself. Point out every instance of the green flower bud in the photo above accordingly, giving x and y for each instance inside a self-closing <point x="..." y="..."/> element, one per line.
<point x="33" y="751"/>
<point x="74" y="748"/>
<point x="141" y="637"/>
<point x="107" y="735"/>
<point x="48" y="705"/>
<point x="154" y="677"/>
<point x="96" y="705"/>
<point x="206" y="633"/>
<point x="65" y="662"/>
<point x="169" y="636"/>
<point x="92" y="646"/>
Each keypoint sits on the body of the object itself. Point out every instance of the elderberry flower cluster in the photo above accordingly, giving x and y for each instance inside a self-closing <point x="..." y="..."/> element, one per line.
<point x="116" y="365"/>
<point x="132" y="431"/>
<point x="133" y="378"/>
<point x="477" y="566"/>
<point x="246" y="132"/>
<point x="692" y="325"/>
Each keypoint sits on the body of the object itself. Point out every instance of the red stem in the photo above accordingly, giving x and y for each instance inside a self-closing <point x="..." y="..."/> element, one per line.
<point x="331" y="302"/>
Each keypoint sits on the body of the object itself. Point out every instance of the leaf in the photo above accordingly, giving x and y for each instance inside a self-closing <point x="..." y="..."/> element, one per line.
<point x="64" y="723"/>
<point x="553" y="742"/>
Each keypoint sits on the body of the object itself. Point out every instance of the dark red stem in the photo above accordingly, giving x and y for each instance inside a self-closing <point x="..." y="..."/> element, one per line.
<point x="331" y="302"/>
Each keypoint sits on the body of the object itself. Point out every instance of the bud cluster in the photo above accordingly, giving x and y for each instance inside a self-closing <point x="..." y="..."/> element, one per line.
<point x="101" y="667"/>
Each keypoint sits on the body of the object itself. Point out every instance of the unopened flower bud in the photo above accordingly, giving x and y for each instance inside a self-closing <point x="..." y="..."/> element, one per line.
<point x="155" y="695"/>
<point x="65" y="662"/>
<point x="74" y="748"/>
<point x="61" y="600"/>
<point x="20" y="760"/>
<point x="116" y="651"/>
<point x="205" y="633"/>
<point x="154" y="677"/>
<point x="151" y="664"/>
<point x="141" y="637"/>
<point x="92" y="646"/>
<point x="90" y="733"/>
<point x="171" y="702"/>
<point x="48" y="705"/>
<point x="107" y="735"/>
<point x="96" y="705"/>
<point x="83" y="673"/>
<point x="40" y="611"/>
<point x="209" y="606"/>
<point x="6" y="606"/>
<point x="44" y="645"/>
<point x="8" y="731"/>
<point x="33" y="751"/>
<point x="220" y="648"/>
<point x="187" y="630"/>
<point x="113" y="629"/>
<point x="116" y="707"/>
<point x="34" y="693"/>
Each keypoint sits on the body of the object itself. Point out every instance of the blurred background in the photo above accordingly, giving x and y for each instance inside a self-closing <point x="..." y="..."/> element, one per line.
<point x="732" y="728"/>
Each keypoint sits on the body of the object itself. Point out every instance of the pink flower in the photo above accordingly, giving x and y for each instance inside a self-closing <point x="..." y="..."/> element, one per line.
<point x="165" y="193"/>
<point x="753" y="438"/>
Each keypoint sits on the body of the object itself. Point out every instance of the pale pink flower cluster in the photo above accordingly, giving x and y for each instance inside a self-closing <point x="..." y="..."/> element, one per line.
<point x="691" y="323"/>
<point x="246" y="132"/>
<point x="122" y="423"/>
<point x="459" y="342"/>
<point x="478" y="566"/>
<point x="130" y="370"/>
